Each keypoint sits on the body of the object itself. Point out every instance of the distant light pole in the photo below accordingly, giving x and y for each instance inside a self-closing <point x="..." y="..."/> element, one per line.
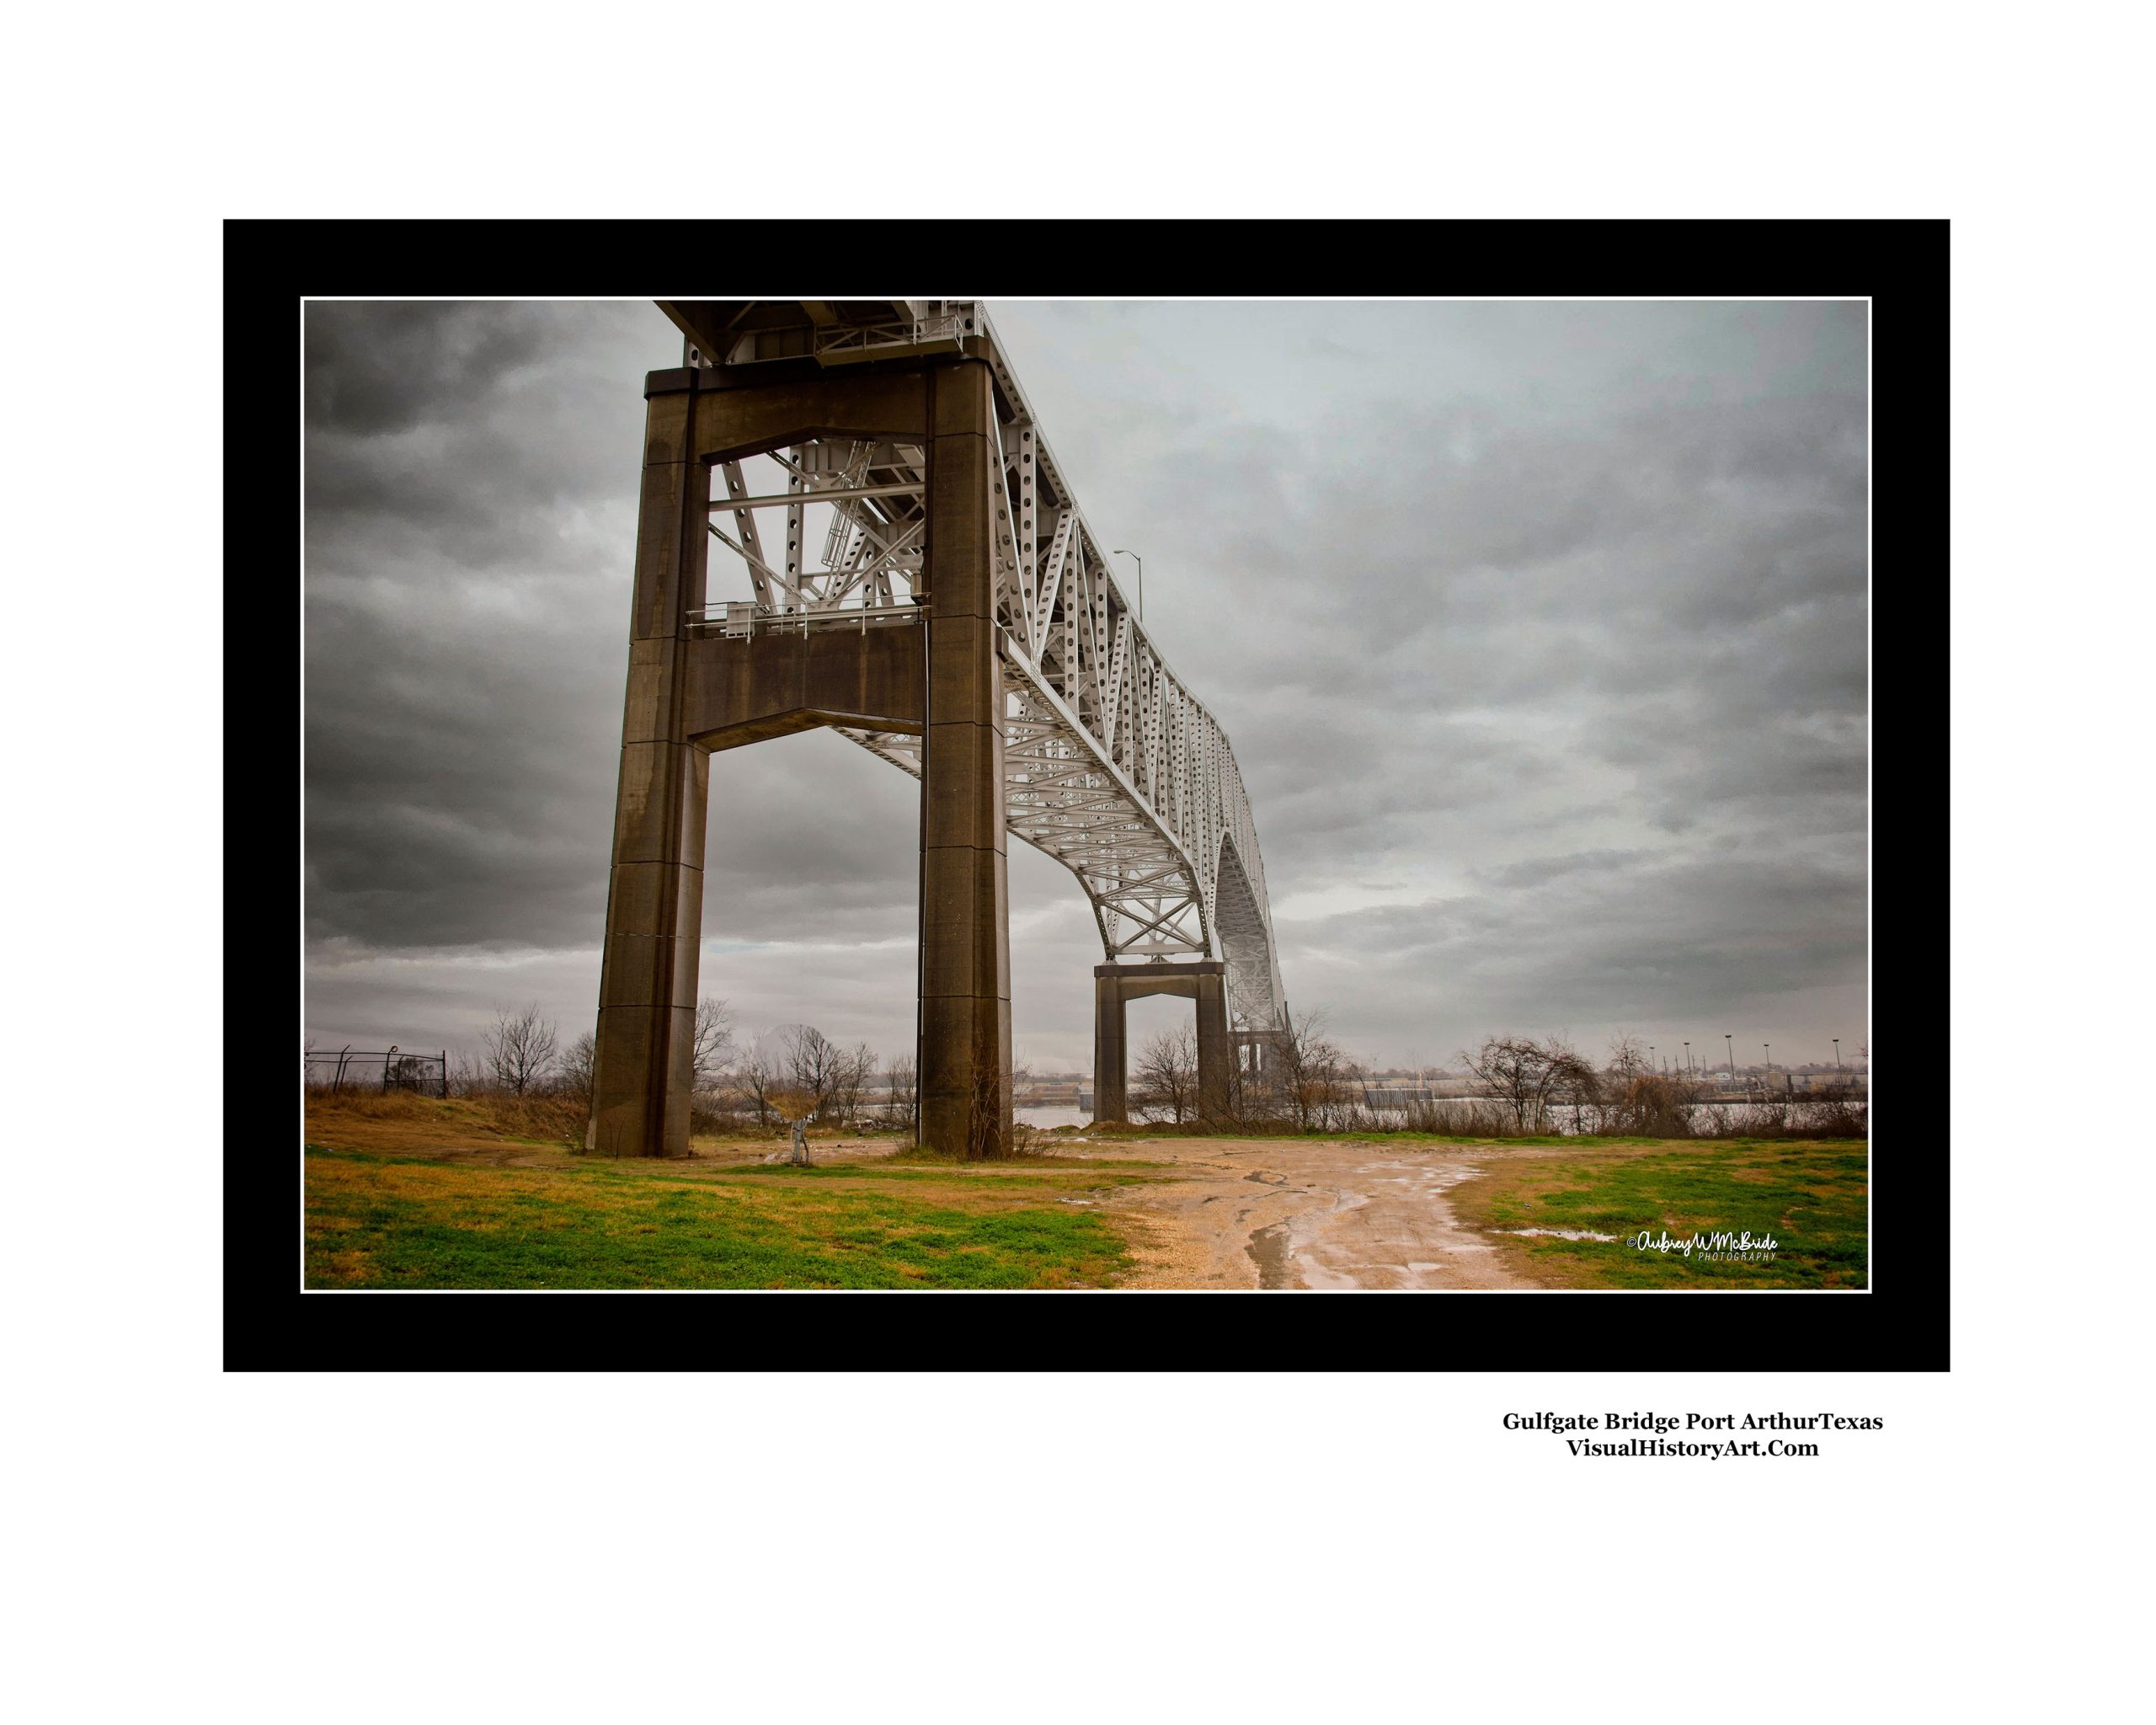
<point x="1688" y="1060"/>
<point x="1769" y="1048"/>
<point x="1140" y="562"/>
<point x="1838" y="1054"/>
<point x="1727" y="1038"/>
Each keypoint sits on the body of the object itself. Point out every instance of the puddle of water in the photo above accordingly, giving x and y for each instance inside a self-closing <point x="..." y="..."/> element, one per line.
<point x="1269" y="1250"/>
<point x="1315" y="1275"/>
<point x="1557" y="1233"/>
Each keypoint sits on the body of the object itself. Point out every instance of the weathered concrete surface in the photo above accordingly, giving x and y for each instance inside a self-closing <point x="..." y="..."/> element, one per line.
<point x="965" y="941"/>
<point x="1203" y="980"/>
<point x="655" y="906"/>
<point x="775" y="683"/>
<point x="1301" y="1213"/>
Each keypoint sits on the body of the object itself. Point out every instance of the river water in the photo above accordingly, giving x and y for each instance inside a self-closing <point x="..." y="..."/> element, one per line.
<point x="1379" y="1119"/>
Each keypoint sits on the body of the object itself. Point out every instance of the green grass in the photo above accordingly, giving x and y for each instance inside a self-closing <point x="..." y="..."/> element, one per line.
<point x="1810" y="1196"/>
<point x="377" y="1222"/>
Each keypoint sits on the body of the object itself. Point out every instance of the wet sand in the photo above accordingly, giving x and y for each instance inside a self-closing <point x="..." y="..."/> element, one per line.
<point x="1300" y="1213"/>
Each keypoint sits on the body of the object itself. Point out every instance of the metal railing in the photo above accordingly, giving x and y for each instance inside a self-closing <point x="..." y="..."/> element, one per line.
<point x="740" y="619"/>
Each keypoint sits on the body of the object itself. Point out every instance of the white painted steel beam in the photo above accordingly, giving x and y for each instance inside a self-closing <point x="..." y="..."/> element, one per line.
<point x="1111" y="765"/>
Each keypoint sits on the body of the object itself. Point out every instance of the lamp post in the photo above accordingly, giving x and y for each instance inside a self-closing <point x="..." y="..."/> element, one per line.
<point x="1140" y="562"/>
<point x="1838" y="1054"/>
<point x="1727" y="1038"/>
<point x="1688" y="1060"/>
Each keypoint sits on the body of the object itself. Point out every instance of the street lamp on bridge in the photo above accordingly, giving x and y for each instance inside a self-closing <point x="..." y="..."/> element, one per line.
<point x="1732" y="1041"/>
<point x="1140" y="562"/>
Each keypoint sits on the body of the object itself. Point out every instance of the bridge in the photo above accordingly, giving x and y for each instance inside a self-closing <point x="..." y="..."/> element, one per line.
<point x="850" y="518"/>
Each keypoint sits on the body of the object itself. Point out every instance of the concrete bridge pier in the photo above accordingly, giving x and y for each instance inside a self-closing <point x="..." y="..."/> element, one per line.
<point x="965" y="911"/>
<point x="930" y="670"/>
<point x="646" y="1036"/>
<point x="1203" y="980"/>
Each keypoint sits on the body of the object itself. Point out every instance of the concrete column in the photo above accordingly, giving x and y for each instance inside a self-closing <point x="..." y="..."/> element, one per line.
<point x="1216" y="1053"/>
<point x="655" y="903"/>
<point x="965" y="962"/>
<point x="1111" y="1068"/>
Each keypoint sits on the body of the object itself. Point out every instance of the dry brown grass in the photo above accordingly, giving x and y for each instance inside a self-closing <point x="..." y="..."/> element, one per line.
<point x="399" y="1120"/>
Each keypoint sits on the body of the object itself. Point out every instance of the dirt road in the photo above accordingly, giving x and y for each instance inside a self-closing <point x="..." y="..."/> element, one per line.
<point x="1295" y="1213"/>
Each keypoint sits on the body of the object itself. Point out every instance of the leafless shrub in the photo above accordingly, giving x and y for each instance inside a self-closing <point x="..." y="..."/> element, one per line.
<point x="1456" y="1118"/>
<point x="1837" y="1110"/>
<point x="902" y="1098"/>
<point x="573" y="1076"/>
<point x="1529" y="1078"/>
<point x="1313" y="1076"/>
<point x="470" y="1075"/>
<point x="1638" y="1101"/>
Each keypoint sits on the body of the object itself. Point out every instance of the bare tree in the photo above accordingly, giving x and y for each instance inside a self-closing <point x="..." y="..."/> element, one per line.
<point x="756" y="1077"/>
<point x="574" y="1077"/>
<point x="902" y="1098"/>
<point x="812" y="1061"/>
<point x="1165" y="1085"/>
<point x="850" y="1075"/>
<point x="1314" y="1076"/>
<point x="1628" y="1057"/>
<point x="519" y="1049"/>
<point x="467" y="1075"/>
<point x="714" y="1042"/>
<point x="1526" y="1076"/>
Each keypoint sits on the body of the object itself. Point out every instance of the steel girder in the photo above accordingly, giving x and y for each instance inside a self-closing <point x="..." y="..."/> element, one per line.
<point x="1111" y="766"/>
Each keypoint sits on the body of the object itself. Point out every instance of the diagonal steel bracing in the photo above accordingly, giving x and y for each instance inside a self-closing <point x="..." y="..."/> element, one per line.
<point x="1111" y="765"/>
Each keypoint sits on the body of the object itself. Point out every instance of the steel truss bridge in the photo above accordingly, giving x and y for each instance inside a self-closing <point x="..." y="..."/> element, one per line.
<point x="1111" y="765"/>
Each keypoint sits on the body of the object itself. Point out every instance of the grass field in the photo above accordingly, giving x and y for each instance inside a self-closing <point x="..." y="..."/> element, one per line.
<point x="1810" y="1196"/>
<point x="378" y="1220"/>
<point x="410" y="1192"/>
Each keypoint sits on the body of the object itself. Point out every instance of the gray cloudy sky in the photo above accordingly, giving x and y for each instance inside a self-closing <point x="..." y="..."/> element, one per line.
<point x="1539" y="632"/>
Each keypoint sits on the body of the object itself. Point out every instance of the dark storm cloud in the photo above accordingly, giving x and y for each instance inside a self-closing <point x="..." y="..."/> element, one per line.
<point x="1539" y="630"/>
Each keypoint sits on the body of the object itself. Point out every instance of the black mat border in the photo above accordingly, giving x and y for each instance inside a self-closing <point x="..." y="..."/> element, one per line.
<point x="1900" y="1324"/>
